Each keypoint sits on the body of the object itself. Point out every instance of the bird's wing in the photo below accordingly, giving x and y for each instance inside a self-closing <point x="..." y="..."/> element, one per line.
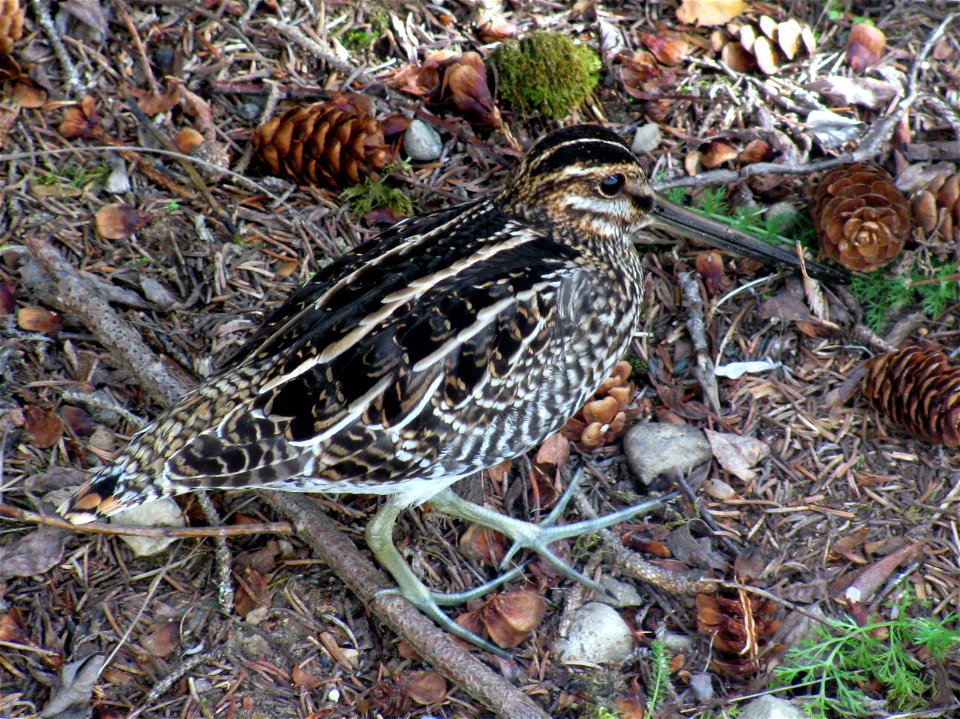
<point x="351" y="378"/>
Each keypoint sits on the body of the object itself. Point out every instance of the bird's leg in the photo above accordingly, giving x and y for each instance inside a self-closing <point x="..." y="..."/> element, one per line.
<point x="379" y="533"/>
<point x="539" y="537"/>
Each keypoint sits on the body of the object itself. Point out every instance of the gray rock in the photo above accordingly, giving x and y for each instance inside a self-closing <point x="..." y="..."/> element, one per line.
<point x="622" y="593"/>
<point x="421" y="142"/>
<point x="771" y="707"/>
<point x="702" y="685"/>
<point x="647" y="138"/>
<point x="597" y="635"/>
<point x="654" y="448"/>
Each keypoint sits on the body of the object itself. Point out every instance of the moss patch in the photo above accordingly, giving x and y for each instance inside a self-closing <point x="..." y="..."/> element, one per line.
<point x="546" y="74"/>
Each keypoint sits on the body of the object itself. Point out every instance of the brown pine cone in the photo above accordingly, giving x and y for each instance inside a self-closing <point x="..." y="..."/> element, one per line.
<point x="861" y="219"/>
<point x="335" y="143"/>
<point x="11" y="25"/>
<point x="740" y="625"/>
<point x="603" y="419"/>
<point x="934" y="192"/>
<point x="918" y="389"/>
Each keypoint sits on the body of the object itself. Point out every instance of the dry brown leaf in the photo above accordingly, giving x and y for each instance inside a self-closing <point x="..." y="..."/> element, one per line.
<point x="709" y="12"/>
<point x="43" y="426"/>
<point x="510" y="618"/>
<point x="668" y="47"/>
<point x="82" y="120"/>
<point x="33" y="554"/>
<point x="716" y="153"/>
<point x="864" y="46"/>
<point x="38" y="319"/>
<point x="483" y="545"/>
<point x="161" y="639"/>
<point x="118" y="221"/>
<point x="304" y="680"/>
<point x="862" y="585"/>
<point x="737" y="454"/>
<point x="26" y="93"/>
<point x="187" y="139"/>
<point x="425" y="688"/>
<point x="711" y="269"/>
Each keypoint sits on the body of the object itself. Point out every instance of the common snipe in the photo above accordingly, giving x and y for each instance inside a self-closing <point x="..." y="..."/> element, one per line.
<point x="451" y="342"/>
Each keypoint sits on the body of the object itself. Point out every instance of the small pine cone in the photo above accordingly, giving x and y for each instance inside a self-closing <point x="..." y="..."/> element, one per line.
<point x="918" y="389"/>
<point x="603" y="419"/>
<point x="764" y="45"/>
<point x="861" y="218"/>
<point x="335" y="143"/>
<point x="741" y="626"/>
<point x="11" y="25"/>
<point x="934" y="192"/>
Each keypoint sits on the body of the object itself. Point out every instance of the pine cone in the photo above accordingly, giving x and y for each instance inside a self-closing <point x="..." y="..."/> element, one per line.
<point x="11" y="25"/>
<point x="603" y="419"/>
<point x="741" y="625"/>
<point x="764" y="45"/>
<point x="335" y="143"/>
<point x="862" y="220"/>
<point x="934" y="192"/>
<point x="918" y="389"/>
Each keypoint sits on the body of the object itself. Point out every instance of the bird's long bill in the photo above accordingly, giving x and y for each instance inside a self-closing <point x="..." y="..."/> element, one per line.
<point x="673" y="218"/>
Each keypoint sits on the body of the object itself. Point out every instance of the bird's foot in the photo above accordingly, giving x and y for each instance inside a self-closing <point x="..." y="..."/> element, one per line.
<point x="539" y="536"/>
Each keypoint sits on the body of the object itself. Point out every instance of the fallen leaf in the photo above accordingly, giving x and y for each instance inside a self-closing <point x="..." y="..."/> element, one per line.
<point x="864" y="46"/>
<point x="82" y="120"/>
<point x="841" y="91"/>
<point x="716" y="153"/>
<point x="426" y="688"/>
<point x="303" y="679"/>
<point x="862" y="585"/>
<point x="510" y="618"/>
<point x="34" y="553"/>
<point x="737" y="454"/>
<point x="669" y="48"/>
<point x="118" y="221"/>
<point x="161" y="639"/>
<point x="38" y="319"/>
<point x="43" y="426"/>
<point x="709" y="12"/>
<point x="73" y="689"/>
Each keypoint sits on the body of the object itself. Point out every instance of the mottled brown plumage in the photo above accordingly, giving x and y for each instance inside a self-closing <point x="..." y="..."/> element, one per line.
<point x="451" y="342"/>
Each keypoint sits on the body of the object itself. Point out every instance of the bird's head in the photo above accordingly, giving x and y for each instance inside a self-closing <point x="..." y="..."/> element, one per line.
<point x="583" y="178"/>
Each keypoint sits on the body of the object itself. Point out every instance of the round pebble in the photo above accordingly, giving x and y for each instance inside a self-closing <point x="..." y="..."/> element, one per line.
<point x="421" y="142"/>
<point x="598" y="634"/>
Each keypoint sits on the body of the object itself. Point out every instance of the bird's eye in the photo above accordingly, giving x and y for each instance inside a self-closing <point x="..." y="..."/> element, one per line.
<point x="611" y="186"/>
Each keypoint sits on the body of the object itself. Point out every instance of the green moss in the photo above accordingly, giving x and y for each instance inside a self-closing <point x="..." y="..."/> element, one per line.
<point x="546" y="74"/>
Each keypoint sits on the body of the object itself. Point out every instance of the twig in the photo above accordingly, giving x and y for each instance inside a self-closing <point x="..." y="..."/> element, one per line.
<point x="704" y="371"/>
<point x="234" y="530"/>
<point x="434" y="645"/>
<point x="225" y="593"/>
<point x="42" y="13"/>
<point x="912" y="91"/>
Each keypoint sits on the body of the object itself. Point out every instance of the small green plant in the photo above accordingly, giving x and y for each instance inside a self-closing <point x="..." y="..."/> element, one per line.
<point x="846" y="660"/>
<point x="659" y="676"/>
<point x="78" y="176"/>
<point x="788" y="228"/>
<point x="357" y="39"/>
<point x="546" y="73"/>
<point x="882" y="294"/>
<point x="372" y="194"/>
<point x="171" y="207"/>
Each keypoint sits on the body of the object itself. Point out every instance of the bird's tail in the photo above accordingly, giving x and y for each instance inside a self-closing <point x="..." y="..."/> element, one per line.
<point x="107" y="493"/>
